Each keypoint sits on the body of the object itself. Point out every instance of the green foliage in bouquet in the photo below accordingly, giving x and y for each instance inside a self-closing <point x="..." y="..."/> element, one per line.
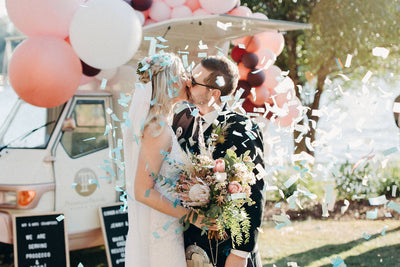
<point x="218" y="189"/>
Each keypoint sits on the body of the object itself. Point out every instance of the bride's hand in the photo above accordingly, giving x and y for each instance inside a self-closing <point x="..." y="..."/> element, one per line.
<point x="209" y="223"/>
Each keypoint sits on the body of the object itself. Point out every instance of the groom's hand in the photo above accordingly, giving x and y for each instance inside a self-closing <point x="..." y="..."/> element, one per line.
<point x="235" y="261"/>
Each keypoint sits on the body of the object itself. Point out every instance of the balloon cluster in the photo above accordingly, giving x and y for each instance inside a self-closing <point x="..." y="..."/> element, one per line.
<point x="259" y="77"/>
<point x="69" y="43"/>
<point x="161" y="10"/>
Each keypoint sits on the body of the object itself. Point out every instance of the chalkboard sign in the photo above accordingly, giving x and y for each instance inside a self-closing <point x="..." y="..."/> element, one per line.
<point x="114" y="223"/>
<point x="40" y="240"/>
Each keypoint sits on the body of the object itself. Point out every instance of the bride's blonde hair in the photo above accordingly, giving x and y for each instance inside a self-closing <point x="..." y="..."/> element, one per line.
<point x="163" y="71"/>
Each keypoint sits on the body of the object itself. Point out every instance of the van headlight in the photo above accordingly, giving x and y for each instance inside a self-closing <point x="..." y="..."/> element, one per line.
<point x="8" y="198"/>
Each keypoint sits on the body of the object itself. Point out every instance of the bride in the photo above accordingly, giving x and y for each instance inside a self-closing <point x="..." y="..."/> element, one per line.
<point x="155" y="235"/>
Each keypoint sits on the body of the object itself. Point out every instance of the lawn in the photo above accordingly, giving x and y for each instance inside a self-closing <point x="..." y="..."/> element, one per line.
<point x="318" y="243"/>
<point x="307" y="243"/>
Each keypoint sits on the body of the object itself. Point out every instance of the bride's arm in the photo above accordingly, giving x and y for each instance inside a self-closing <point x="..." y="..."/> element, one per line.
<point x="150" y="161"/>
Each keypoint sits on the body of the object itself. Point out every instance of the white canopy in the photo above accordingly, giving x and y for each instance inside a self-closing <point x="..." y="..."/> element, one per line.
<point x="184" y="34"/>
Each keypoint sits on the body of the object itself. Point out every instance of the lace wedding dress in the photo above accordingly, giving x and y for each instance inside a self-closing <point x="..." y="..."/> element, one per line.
<point x="154" y="238"/>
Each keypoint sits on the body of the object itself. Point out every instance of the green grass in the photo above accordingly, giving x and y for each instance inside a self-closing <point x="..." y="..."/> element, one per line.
<point x="316" y="243"/>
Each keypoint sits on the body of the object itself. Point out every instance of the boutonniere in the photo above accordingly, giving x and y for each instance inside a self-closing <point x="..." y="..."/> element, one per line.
<point x="219" y="133"/>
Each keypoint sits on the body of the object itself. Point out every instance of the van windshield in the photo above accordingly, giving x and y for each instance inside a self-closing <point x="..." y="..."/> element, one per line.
<point x="29" y="126"/>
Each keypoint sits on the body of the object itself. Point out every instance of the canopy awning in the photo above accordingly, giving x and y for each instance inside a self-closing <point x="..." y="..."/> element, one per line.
<point x="184" y="34"/>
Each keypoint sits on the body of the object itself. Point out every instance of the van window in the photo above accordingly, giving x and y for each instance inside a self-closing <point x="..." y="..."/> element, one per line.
<point x="88" y="135"/>
<point x="29" y="126"/>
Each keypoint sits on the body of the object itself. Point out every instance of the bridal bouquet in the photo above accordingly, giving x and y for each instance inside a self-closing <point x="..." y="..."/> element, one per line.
<point x="218" y="189"/>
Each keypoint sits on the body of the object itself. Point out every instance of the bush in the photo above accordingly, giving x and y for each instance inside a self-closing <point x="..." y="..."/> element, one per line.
<point x="355" y="184"/>
<point x="388" y="181"/>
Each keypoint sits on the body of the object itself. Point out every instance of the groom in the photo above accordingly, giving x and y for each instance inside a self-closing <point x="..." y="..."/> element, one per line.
<point x="213" y="78"/>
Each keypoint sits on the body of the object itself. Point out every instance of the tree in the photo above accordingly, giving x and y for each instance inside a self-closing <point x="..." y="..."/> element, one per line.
<point x="340" y="27"/>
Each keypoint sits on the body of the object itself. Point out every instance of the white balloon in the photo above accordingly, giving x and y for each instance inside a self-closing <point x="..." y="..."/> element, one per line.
<point x="140" y="17"/>
<point x="105" y="34"/>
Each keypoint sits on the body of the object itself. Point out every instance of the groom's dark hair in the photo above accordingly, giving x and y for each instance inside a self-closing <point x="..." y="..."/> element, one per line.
<point x="221" y="66"/>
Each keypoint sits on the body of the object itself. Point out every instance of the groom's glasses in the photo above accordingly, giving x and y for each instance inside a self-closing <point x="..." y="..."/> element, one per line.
<point x="194" y="83"/>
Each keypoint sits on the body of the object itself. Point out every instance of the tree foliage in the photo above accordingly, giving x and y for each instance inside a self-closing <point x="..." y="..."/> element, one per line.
<point x="340" y="28"/>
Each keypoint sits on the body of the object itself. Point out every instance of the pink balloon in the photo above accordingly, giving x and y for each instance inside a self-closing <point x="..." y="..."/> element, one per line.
<point x="288" y="119"/>
<point x="262" y="95"/>
<point x="192" y="4"/>
<point x="282" y="98"/>
<point x="44" y="17"/>
<point x="86" y="79"/>
<point x="272" y="40"/>
<point x="175" y="3"/>
<point x="266" y="58"/>
<point x="242" y="11"/>
<point x="159" y="11"/>
<point x="45" y="71"/>
<point x="239" y="40"/>
<point x="259" y="15"/>
<point x="200" y="12"/>
<point x="218" y="6"/>
<point x="181" y="12"/>
<point x="272" y="75"/>
<point x="243" y="71"/>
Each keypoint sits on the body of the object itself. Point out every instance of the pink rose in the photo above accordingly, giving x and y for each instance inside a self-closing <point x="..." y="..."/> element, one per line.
<point x="219" y="165"/>
<point x="234" y="187"/>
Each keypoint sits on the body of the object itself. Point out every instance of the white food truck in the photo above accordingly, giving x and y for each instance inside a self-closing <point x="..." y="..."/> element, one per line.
<point x="48" y="166"/>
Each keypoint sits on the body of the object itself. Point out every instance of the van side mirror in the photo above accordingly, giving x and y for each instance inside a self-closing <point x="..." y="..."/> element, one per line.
<point x="69" y="125"/>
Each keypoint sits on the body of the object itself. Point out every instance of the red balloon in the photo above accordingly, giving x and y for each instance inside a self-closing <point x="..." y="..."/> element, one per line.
<point x="255" y="77"/>
<point x="250" y="60"/>
<point x="237" y="53"/>
<point x="89" y="70"/>
<point x="262" y="96"/>
<point x="245" y="86"/>
<point x="141" y="5"/>
<point x="45" y="71"/>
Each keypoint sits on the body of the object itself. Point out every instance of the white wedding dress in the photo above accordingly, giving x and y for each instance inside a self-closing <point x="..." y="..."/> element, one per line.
<point x="154" y="238"/>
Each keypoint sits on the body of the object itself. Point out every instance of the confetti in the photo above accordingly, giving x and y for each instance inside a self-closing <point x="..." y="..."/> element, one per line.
<point x="88" y="139"/>
<point x="366" y="77"/>
<point x="202" y="54"/>
<point x="147" y="193"/>
<point x="156" y="235"/>
<point x="338" y="262"/>
<point x="224" y="26"/>
<point x="396" y="107"/>
<point x="103" y="84"/>
<point x="345" y="207"/>
<point x="60" y="218"/>
<point x="80" y="264"/>
<point x="339" y="63"/>
<point x="390" y="151"/>
<point x="348" y="61"/>
<point x="394" y="206"/>
<point x="383" y="232"/>
<point x="366" y="236"/>
<point x="380" y="52"/>
<point x="376" y="201"/>
<point x="372" y="214"/>
<point x="195" y="112"/>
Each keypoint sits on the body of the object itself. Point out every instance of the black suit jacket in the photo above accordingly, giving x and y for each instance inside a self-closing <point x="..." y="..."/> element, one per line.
<point x="243" y="134"/>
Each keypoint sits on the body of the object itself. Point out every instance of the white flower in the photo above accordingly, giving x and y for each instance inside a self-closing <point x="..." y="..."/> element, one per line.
<point x="199" y="194"/>
<point x="220" y="177"/>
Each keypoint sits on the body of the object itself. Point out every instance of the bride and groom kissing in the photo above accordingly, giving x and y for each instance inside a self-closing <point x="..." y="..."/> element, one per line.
<point x="154" y="148"/>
